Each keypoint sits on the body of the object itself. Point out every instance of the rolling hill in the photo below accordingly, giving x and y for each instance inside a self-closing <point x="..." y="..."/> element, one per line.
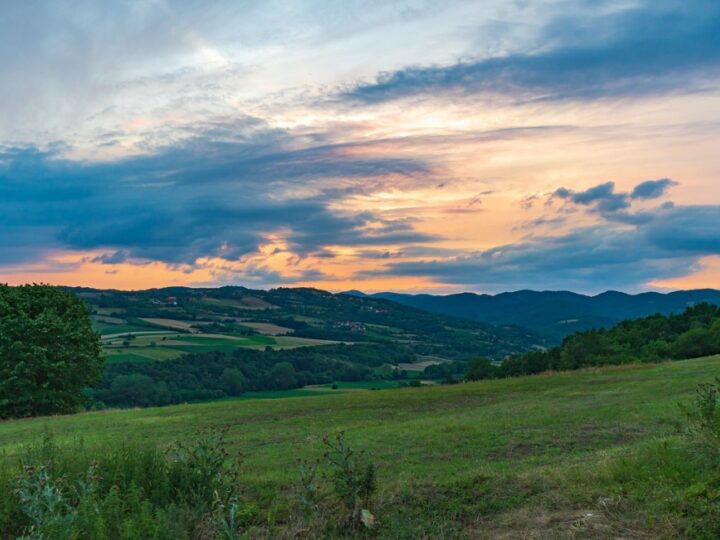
<point x="231" y="317"/>
<point x="178" y="344"/>
<point x="554" y="314"/>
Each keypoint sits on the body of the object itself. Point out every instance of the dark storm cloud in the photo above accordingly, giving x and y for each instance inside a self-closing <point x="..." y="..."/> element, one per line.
<point x="661" y="46"/>
<point x="203" y="197"/>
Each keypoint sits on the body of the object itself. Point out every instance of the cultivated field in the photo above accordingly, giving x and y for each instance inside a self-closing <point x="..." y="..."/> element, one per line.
<point x="156" y="339"/>
<point x="591" y="453"/>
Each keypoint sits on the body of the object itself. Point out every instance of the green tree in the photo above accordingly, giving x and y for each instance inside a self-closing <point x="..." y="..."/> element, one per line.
<point x="696" y="342"/>
<point x="283" y="376"/>
<point x="478" y="369"/>
<point x="136" y="390"/>
<point x="49" y="351"/>
<point x="232" y="382"/>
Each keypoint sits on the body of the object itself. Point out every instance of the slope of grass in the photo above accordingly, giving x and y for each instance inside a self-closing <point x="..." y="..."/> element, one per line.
<point x="590" y="453"/>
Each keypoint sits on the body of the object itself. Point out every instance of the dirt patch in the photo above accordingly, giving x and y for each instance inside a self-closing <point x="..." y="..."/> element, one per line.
<point x="609" y="519"/>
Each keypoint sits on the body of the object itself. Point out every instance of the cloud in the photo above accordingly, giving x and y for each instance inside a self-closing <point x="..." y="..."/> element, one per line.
<point x="652" y="189"/>
<point x="663" y="243"/>
<point x="117" y="257"/>
<point x="602" y="197"/>
<point x="657" y="47"/>
<point x="208" y="196"/>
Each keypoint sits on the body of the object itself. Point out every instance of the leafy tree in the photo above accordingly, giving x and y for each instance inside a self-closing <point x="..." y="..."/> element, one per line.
<point x="696" y="342"/>
<point x="478" y="369"/>
<point x="136" y="390"/>
<point x="283" y="376"/>
<point x="49" y="351"/>
<point x="693" y="333"/>
<point x="232" y="382"/>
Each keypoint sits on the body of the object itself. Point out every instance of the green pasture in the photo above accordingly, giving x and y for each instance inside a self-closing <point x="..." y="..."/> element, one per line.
<point x="590" y="453"/>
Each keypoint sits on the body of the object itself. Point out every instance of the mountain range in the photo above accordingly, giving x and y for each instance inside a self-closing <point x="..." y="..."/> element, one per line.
<point x="554" y="314"/>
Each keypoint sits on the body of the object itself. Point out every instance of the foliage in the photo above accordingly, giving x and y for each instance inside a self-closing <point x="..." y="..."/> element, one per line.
<point x="703" y="416"/>
<point x="49" y="351"/>
<point x="694" y="333"/>
<point x="701" y="503"/>
<point x="309" y="495"/>
<point x="354" y="479"/>
<point x="215" y="375"/>
<point x="478" y="369"/>
<point x="124" y="492"/>
<point x="352" y="476"/>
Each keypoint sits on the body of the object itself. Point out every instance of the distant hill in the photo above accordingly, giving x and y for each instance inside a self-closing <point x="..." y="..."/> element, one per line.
<point x="555" y="314"/>
<point x="301" y="315"/>
<point x="180" y="344"/>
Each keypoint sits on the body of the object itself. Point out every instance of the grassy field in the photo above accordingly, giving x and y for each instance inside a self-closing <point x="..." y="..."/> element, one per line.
<point x="592" y="453"/>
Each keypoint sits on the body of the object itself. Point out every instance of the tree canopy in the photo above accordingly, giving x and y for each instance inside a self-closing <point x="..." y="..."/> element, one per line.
<point x="49" y="351"/>
<point x="693" y="333"/>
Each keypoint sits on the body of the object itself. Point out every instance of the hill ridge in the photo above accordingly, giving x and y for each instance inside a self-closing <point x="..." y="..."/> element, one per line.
<point x="555" y="314"/>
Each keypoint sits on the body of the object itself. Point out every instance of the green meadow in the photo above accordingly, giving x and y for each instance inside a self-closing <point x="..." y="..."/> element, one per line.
<point x="588" y="453"/>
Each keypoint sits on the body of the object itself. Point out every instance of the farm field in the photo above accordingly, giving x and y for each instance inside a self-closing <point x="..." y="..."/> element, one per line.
<point x="157" y="339"/>
<point x="152" y="347"/>
<point x="589" y="453"/>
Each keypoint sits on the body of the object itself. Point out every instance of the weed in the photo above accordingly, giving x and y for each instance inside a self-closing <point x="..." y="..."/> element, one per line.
<point x="703" y="416"/>
<point x="354" y="479"/>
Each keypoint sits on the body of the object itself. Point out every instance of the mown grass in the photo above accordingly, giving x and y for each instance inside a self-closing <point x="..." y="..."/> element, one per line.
<point x="591" y="453"/>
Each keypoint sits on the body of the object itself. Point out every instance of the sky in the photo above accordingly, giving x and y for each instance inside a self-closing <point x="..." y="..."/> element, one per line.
<point x="419" y="146"/>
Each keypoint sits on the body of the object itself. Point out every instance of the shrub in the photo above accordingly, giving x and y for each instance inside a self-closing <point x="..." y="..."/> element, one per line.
<point x="352" y="484"/>
<point x="353" y="477"/>
<point x="703" y="416"/>
<point x="121" y="492"/>
<point x="701" y="503"/>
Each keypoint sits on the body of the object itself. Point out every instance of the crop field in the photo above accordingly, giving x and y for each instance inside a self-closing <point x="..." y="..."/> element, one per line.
<point x="267" y="328"/>
<point x="151" y="339"/>
<point x="157" y="345"/>
<point x="590" y="453"/>
<point x="171" y="323"/>
<point x="246" y="302"/>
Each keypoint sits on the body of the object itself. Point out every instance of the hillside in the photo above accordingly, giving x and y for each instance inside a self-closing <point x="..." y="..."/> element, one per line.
<point x="179" y="344"/>
<point x="591" y="453"/>
<point x="554" y="314"/>
<point x="283" y="318"/>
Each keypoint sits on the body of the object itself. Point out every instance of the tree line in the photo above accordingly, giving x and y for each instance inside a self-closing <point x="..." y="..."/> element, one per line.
<point x="216" y="375"/>
<point x="691" y="334"/>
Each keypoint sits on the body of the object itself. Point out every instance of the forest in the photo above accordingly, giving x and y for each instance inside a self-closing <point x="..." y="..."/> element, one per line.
<point x="691" y="334"/>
